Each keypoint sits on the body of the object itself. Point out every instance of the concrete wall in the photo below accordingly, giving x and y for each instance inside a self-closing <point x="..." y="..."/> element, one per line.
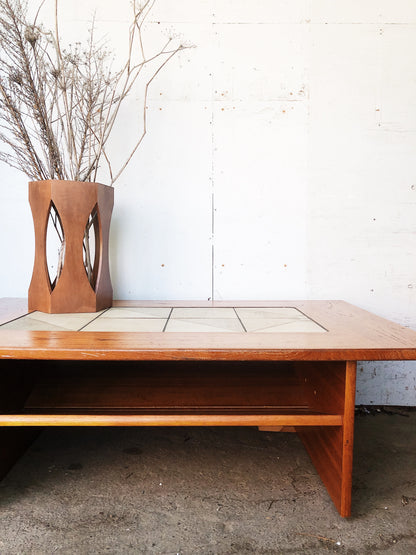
<point x="280" y="162"/>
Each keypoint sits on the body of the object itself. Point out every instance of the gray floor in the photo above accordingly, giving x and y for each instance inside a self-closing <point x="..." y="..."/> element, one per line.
<point x="207" y="491"/>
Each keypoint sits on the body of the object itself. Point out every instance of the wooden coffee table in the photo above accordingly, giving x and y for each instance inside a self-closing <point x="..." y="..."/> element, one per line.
<point x="281" y="366"/>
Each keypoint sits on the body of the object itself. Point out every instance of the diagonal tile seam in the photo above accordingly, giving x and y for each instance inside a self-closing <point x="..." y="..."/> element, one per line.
<point x="241" y="322"/>
<point x="288" y="327"/>
<point x="39" y="323"/>
<point x="201" y="324"/>
<point x="270" y="313"/>
<point x="276" y="323"/>
<point x="93" y="320"/>
<point x="21" y="317"/>
<point x="170" y="317"/>
<point x="310" y="318"/>
<point x="137" y="313"/>
<point x="28" y="323"/>
<point x="135" y="325"/>
<point x="167" y="320"/>
<point x="61" y="319"/>
<point x="265" y="328"/>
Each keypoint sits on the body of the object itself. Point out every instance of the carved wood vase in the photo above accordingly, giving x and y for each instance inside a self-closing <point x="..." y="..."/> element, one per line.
<point x="73" y="207"/>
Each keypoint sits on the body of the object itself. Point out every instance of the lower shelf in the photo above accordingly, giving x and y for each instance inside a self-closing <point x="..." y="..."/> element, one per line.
<point x="187" y="418"/>
<point x="174" y="393"/>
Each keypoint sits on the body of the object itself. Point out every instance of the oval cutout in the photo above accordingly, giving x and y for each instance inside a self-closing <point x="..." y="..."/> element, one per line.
<point x="55" y="246"/>
<point x="91" y="247"/>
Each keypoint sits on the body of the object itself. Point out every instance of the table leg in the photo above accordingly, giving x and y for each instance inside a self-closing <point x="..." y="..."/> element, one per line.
<point x="331" y="448"/>
<point x="14" y="388"/>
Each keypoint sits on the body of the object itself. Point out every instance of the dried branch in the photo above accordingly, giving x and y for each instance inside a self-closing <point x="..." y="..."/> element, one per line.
<point x="59" y="105"/>
<point x="136" y="146"/>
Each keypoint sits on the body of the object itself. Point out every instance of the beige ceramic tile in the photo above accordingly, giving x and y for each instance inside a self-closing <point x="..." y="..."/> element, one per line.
<point x="270" y="312"/>
<point x="72" y="321"/>
<point x="31" y="324"/>
<point x="208" y="312"/>
<point x="204" y="325"/>
<point x="258" y="324"/>
<point x="127" y="324"/>
<point x="294" y="325"/>
<point x="139" y="312"/>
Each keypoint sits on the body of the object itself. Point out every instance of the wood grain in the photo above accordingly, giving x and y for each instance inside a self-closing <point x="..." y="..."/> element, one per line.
<point x="191" y="419"/>
<point x="304" y="381"/>
<point x="74" y="202"/>
<point x="353" y="334"/>
<point x="348" y="439"/>
<point x="331" y="449"/>
<point x="177" y="384"/>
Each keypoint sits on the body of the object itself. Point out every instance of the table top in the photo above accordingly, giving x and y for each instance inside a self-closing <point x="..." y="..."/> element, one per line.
<point x="204" y="330"/>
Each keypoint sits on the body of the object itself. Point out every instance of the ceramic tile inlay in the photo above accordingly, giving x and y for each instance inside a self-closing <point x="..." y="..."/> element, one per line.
<point x="204" y="325"/>
<point x="177" y="319"/>
<point x="42" y="321"/>
<point x="127" y="324"/>
<point x="210" y="312"/>
<point x="31" y="324"/>
<point x="150" y="312"/>
<point x="270" y="312"/>
<point x="283" y="325"/>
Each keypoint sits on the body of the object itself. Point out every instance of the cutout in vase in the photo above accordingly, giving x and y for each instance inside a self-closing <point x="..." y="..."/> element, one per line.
<point x="55" y="246"/>
<point x="91" y="247"/>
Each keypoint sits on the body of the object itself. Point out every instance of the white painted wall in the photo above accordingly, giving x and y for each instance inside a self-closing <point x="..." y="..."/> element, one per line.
<point x="280" y="163"/>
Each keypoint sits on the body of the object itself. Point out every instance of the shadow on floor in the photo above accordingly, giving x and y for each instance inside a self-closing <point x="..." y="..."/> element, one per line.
<point x="206" y="491"/>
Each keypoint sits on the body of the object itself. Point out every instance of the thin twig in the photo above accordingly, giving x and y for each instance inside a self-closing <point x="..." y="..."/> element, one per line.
<point x="123" y="167"/>
<point x="61" y="105"/>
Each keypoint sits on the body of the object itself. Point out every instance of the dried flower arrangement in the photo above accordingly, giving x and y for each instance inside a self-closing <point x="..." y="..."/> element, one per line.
<point x="59" y="104"/>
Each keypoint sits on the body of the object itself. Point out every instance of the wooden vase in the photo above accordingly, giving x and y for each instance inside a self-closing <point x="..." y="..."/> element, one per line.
<point x="73" y="202"/>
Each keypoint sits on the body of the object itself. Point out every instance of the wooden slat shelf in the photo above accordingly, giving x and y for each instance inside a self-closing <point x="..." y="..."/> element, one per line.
<point x="168" y="394"/>
<point x="231" y="410"/>
<point x="190" y="419"/>
<point x="248" y="394"/>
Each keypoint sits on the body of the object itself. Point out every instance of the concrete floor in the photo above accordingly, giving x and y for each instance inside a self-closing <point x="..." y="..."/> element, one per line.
<point x="207" y="491"/>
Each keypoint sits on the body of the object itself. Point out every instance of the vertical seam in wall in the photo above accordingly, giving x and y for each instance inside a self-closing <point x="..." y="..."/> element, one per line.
<point x="212" y="163"/>
<point x="308" y="289"/>
<point x="379" y="83"/>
